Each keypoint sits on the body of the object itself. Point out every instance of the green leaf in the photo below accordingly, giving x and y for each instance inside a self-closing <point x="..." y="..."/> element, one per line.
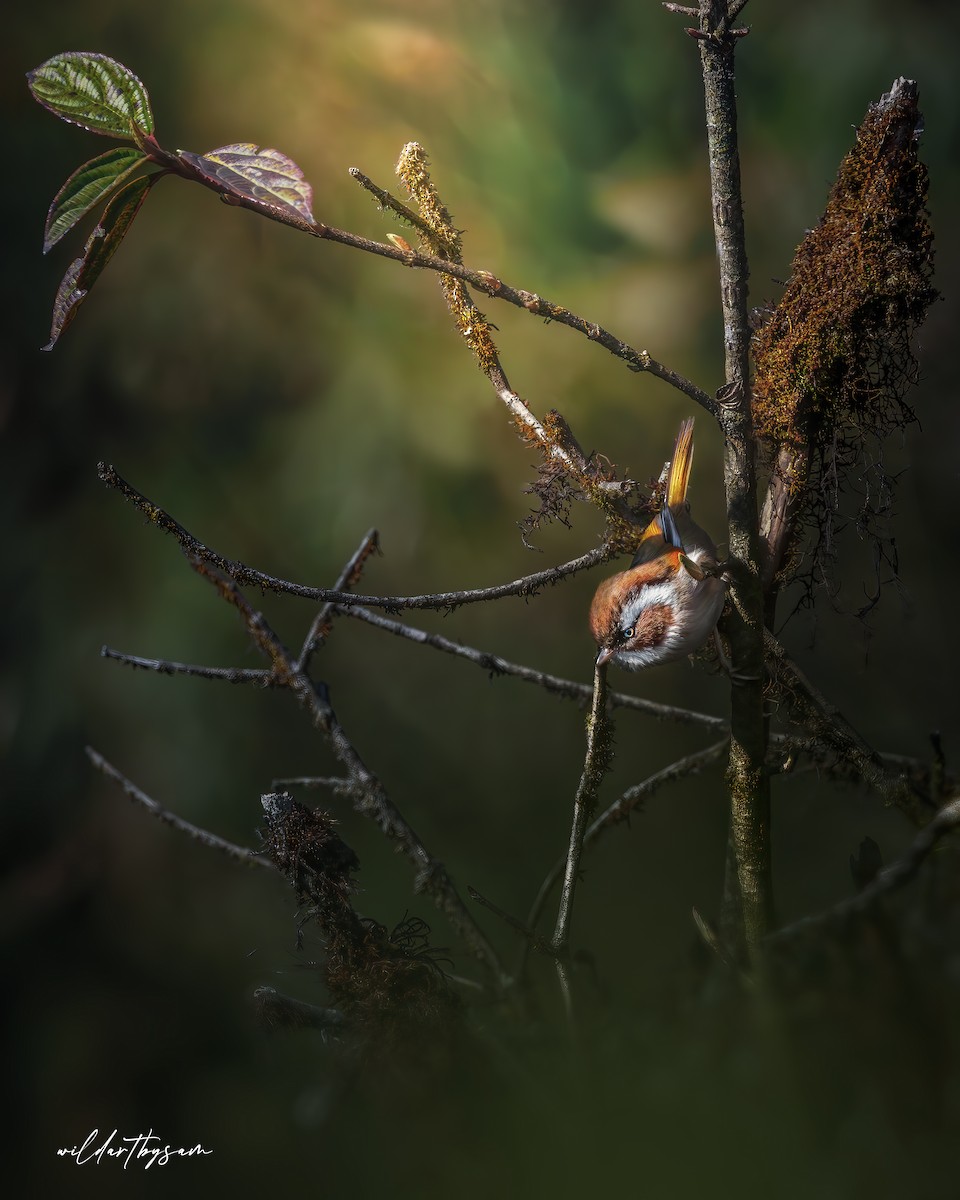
<point x="265" y="176"/>
<point x="101" y="246"/>
<point x="85" y="187"/>
<point x="94" y="92"/>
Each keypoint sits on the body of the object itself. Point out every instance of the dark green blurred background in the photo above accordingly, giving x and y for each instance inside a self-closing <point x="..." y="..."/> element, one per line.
<point x="279" y="397"/>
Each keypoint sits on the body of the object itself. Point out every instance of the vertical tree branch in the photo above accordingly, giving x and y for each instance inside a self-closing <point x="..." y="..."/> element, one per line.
<point x="616" y="813"/>
<point x="585" y="802"/>
<point x="347" y="579"/>
<point x="747" y="916"/>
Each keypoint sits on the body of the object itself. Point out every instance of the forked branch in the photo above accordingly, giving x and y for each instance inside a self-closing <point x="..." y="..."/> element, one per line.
<point x="243" y="575"/>
<point x="619" y="811"/>
<point x="369" y="797"/>
<point x="900" y="872"/>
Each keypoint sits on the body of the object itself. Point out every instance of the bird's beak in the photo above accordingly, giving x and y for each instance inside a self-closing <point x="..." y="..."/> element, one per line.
<point x="604" y="656"/>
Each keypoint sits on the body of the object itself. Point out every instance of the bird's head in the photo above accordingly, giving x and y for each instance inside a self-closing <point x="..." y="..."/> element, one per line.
<point x="634" y="617"/>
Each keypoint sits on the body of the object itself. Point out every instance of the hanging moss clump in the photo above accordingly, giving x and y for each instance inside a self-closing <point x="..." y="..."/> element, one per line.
<point x="834" y="361"/>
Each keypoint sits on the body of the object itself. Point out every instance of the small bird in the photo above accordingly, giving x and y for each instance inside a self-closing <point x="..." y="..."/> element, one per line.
<point x="666" y="604"/>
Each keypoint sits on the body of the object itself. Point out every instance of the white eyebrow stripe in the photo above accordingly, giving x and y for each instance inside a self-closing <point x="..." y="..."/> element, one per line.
<point x="652" y="595"/>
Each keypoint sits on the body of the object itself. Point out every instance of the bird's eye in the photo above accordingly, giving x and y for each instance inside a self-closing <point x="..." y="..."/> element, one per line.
<point x="628" y="634"/>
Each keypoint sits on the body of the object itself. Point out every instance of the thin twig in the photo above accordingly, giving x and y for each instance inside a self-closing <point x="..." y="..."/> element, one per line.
<point x="483" y="281"/>
<point x="340" y="787"/>
<point x="566" y="991"/>
<point x="165" y="666"/>
<point x="610" y="495"/>
<point x="285" y="1012"/>
<point x="369" y="796"/>
<point x="832" y="741"/>
<point x="212" y="840"/>
<point x="347" y="580"/>
<point x="711" y="939"/>
<point x="495" y="665"/>
<point x="595" y="765"/>
<point x="620" y="810"/>
<point x="734" y="9"/>
<point x="531" y="936"/>
<point x="829" y="728"/>
<point x="490" y="285"/>
<point x="439" y="234"/>
<point x="896" y="875"/>
<point x="526" y="586"/>
<point x="567" y="689"/>
<point x="390" y="203"/>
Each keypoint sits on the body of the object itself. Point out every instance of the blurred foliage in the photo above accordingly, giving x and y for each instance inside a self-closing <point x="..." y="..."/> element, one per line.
<point x="280" y="397"/>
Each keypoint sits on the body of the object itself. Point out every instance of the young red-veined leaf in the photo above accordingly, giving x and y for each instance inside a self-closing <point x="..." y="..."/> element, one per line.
<point x="86" y="187"/>
<point x="265" y="176"/>
<point x="101" y="246"/>
<point x="94" y="92"/>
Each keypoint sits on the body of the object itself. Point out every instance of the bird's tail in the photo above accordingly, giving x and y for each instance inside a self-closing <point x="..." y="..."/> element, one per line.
<point x="679" y="477"/>
<point x="663" y="525"/>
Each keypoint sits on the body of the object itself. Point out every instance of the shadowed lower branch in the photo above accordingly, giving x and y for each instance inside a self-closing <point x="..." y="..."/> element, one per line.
<point x="830" y="729"/>
<point x="896" y="875"/>
<point x="211" y="840"/>
<point x="620" y="811"/>
<point x="369" y="796"/>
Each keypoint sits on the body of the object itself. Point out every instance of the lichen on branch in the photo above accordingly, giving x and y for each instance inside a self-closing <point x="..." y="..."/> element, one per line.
<point x="593" y="480"/>
<point x="834" y="361"/>
<point x="444" y="241"/>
